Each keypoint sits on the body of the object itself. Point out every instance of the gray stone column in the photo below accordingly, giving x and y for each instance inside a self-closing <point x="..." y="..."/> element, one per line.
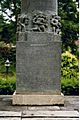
<point x="38" y="54"/>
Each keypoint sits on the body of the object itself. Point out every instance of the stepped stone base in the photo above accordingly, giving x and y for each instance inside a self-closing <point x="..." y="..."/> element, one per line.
<point x="24" y="99"/>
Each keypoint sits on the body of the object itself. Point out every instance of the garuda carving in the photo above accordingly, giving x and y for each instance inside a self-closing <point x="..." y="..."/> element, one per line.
<point x="55" y="24"/>
<point x="40" y="22"/>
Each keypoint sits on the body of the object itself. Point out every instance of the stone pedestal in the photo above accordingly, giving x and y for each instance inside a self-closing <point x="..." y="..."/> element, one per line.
<point x="37" y="99"/>
<point x="38" y="55"/>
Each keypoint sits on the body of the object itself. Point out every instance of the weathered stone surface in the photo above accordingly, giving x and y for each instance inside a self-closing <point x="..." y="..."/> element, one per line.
<point x="54" y="114"/>
<point x="42" y="5"/>
<point x="20" y="99"/>
<point x="10" y="114"/>
<point x="7" y="106"/>
<point x="38" y="37"/>
<point x="38" y="54"/>
<point x="50" y="119"/>
<point x="38" y="64"/>
<point x="10" y="118"/>
<point x="43" y="108"/>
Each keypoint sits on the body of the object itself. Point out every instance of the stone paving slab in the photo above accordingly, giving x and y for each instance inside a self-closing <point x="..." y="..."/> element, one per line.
<point x="71" y="104"/>
<point x="54" y="114"/>
<point x="45" y="108"/>
<point x="50" y="119"/>
<point x="10" y="118"/>
<point x="10" y="114"/>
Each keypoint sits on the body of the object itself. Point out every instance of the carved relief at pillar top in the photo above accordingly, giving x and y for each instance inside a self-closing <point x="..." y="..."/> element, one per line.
<point x="55" y="24"/>
<point x="22" y="23"/>
<point x="39" y="22"/>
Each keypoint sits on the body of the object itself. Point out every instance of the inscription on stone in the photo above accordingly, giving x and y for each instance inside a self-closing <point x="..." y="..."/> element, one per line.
<point x="37" y="70"/>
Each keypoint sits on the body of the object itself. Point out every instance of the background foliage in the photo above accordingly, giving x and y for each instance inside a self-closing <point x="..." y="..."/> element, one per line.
<point x="70" y="24"/>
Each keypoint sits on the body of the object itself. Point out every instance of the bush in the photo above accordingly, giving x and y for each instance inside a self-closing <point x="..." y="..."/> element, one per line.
<point x="70" y="86"/>
<point x="70" y="74"/>
<point x="7" y="84"/>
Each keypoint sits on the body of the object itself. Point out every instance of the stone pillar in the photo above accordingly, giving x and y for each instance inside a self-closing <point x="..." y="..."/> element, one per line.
<point x="38" y="54"/>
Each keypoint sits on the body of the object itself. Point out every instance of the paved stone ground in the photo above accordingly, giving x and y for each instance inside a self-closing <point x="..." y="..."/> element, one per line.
<point x="70" y="110"/>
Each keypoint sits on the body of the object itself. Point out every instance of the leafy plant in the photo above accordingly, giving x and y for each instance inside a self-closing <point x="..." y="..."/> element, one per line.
<point x="70" y="74"/>
<point x="7" y="84"/>
<point x="70" y="86"/>
<point x="70" y="24"/>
